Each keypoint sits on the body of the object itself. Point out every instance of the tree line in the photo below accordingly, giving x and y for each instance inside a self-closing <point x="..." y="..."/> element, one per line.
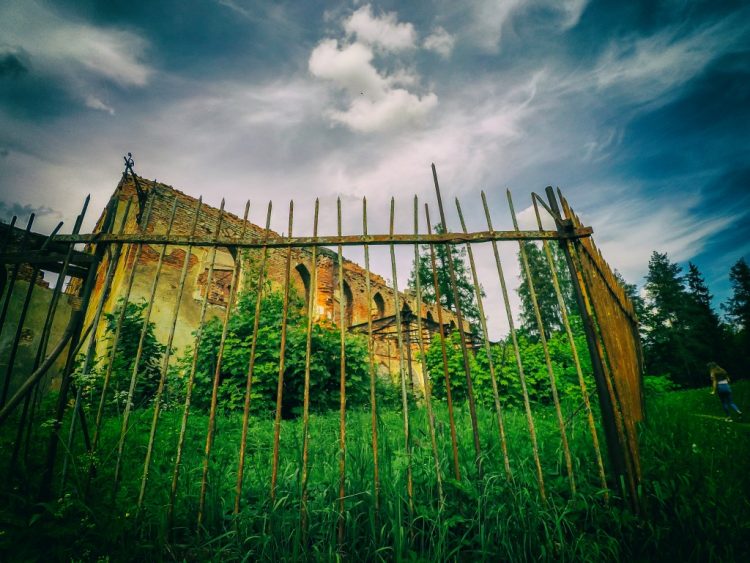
<point x="679" y="328"/>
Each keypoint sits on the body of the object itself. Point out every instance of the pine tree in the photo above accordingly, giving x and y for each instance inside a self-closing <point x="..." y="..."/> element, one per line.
<point x="704" y="332"/>
<point x="737" y="307"/>
<point x="546" y="297"/>
<point x="666" y="323"/>
<point x="464" y="283"/>
<point x="737" y="310"/>
<point x="631" y="290"/>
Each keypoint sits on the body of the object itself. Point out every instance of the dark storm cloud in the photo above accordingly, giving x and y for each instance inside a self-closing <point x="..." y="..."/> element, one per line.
<point x="215" y="37"/>
<point x="23" y="212"/>
<point x="638" y="110"/>
<point x="11" y="66"/>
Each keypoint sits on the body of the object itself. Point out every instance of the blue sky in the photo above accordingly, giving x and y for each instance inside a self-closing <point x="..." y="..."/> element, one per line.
<point x="639" y="111"/>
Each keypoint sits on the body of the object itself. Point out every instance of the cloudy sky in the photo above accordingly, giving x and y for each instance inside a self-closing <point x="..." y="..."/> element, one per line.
<point x="639" y="111"/>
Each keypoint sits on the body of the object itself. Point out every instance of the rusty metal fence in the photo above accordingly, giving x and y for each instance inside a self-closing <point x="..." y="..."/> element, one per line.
<point x="89" y="266"/>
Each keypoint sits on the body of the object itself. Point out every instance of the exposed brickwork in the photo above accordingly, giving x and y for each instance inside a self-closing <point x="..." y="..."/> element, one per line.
<point x="26" y="273"/>
<point x="326" y="295"/>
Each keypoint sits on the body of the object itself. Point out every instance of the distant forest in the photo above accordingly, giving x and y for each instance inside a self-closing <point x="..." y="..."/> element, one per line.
<point x="680" y="328"/>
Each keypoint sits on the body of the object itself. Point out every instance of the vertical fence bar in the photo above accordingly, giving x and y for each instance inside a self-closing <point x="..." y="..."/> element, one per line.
<point x="114" y="257"/>
<point x="76" y="322"/>
<point x="9" y="231"/>
<point x="342" y="388"/>
<point x="603" y="297"/>
<point x="191" y="377"/>
<point x="118" y="327"/>
<point x="425" y="377"/>
<point x="517" y="352"/>
<point x="402" y="372"/>
<point x="217" y="370"/>
<point x="167" y="354"/>
<point x="11" y="361"/>
<point x="251" y="364"/>
<point x="139" y="352"/>
<point x="612" y="430"/>
<point x="487" y="347"/>
<point x="574" y="351"/>
<point x="3" y="247"/>
<point x="6" y="304"/>
<point x="371" y="357"/>
<point x="545" y="348"/>
<point x="28" y="400"/>
<point x="441" y="330"/>
<point x="47" y="326"/>
<point x="311" y="295"/>
<point x="461" y="332"/>
<point x="282" y="353"/>
<point x="41" y="351"/>
<point x="624" y="435"/>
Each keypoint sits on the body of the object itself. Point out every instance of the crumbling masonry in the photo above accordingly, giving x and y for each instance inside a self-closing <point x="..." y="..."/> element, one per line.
<point x="158" y="207"/>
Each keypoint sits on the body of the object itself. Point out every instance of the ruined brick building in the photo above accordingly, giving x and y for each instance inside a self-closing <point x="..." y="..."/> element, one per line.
<point x="156" y="208"/>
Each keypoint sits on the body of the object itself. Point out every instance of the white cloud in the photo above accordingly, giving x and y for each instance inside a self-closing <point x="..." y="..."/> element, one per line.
<point x="75" y="53"/>
<point x="629" y="226"/>
<point x="647" y="68"/>
<point x="487" y="21"/>
<point x="397" y="108"/>
<point x="350" y="67"/>
<point x="95" y="103"/>
<point x="489" y="18"/>
<point x="111" y="54"/>
<point x="527" y="220"/>
<point x="376" y="102"/>
<point x="384" y="32"/>
<point x="440" y="41"/>
<point x="569" y="11"/>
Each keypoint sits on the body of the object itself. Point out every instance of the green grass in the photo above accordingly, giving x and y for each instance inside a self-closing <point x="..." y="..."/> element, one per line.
<point x="694" y="493"/>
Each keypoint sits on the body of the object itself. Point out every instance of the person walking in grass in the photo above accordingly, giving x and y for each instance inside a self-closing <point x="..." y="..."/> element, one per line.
<point x="720" y="383"/>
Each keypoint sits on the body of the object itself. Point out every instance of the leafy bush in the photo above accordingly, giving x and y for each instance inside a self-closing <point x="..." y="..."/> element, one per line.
<point x="657" y="384"/>
<point x="324" y="365"/>
<point x="506" y="369"/>
<point x="149" y="365"/>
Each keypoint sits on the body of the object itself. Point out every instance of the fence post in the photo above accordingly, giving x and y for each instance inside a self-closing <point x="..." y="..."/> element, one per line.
<point x="614" y="447"/>
<point x="45" y="487"/>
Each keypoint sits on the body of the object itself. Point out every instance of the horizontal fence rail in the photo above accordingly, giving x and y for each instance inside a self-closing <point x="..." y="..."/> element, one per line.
<point x="341" y="240"/>
<point x="179" y="336"/>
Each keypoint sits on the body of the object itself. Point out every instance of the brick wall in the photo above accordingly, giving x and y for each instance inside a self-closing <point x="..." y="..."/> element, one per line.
<point x="326" y="296"/>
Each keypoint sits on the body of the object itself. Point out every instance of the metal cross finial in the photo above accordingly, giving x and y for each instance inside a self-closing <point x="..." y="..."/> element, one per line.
<point x="129" y="163"/>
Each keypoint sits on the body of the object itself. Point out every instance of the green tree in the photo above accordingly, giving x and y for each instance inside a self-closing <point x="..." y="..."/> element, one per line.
<point x="506" y="370"/>
<point x="464" y="282"/>
<point x="123" y="362"/>
<point x="324" y="365"/>
<point x="665" y="324"/>
<point x="704" y="331"/>
<point x="546" y="297"/>
<point x="737" y="308"/>
<point x="631" y="290"/>
<point x="737" y="311"/>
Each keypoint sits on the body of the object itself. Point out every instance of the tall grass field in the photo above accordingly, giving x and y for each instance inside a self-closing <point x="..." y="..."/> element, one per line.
<point x="694" y="497"/>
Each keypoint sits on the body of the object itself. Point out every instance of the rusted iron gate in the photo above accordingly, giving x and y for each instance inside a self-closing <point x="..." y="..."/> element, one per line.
<point x="119" y="241"/>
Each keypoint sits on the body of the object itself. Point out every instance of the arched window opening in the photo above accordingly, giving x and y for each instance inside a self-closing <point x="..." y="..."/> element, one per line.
<point x="430" y="317"/>
<point x="301" y="282"/>
<point x="378" y="311"/>
<point x="348" y="305"/>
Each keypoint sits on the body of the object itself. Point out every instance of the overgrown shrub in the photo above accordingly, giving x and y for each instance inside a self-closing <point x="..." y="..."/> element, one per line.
<point x="506" y="369"/>
<point x="123" y="363"/>
<point x="324" y="365"/>
<point x="657" y="384"/>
